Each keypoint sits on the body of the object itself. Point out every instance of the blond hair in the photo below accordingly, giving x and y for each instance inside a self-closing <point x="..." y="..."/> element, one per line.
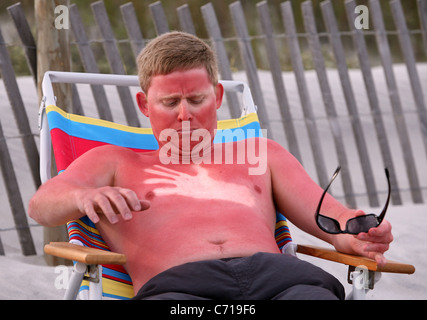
<point x="175" y="51"/>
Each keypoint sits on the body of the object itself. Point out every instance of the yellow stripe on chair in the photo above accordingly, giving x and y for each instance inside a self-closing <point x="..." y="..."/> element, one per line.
<point x="98" y="122"/>
<point x="237" y="123"/>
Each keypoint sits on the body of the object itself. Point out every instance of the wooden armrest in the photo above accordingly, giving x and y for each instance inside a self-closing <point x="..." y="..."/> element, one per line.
<point x="83" y="254"/>
<point x="355" y="261"/>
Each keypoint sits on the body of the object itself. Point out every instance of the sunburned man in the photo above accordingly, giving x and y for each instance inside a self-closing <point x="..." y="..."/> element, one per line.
<point x="199" y="229"/>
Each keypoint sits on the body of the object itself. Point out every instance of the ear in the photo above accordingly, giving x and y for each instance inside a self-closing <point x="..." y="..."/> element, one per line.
<point x="219" y="92"/>
<point x="141" y="100"/>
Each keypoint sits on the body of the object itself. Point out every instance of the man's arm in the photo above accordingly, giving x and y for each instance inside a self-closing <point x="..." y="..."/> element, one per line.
<point x="297" y="196"/>
<point x="85" y="188"/>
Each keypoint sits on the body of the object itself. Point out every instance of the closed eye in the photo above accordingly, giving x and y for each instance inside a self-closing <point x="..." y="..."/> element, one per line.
<point x="196" y="100"/>
<point x="170" y="102"/>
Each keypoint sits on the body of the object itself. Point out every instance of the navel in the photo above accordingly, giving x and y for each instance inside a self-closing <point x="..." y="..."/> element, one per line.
<point x="217" y="242"/>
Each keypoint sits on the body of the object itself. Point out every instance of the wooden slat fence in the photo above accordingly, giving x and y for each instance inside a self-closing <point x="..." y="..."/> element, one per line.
<point x="272" y="42"/>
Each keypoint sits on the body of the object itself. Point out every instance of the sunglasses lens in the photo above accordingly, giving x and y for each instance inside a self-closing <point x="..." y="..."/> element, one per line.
<point x="328" y="224"/>
<point x="362" y="224"/>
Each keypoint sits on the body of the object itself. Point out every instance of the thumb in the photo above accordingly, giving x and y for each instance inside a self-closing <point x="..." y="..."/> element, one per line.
<point x="144" y="204"/>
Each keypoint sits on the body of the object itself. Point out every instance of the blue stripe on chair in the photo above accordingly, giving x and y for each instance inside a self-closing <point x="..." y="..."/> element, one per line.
<point x="116" y="274"/>
<point x="250" y="130"/>
<point x="75" y="226"/>
<point x="101" y="133"/>
<point x="138" y="140"/>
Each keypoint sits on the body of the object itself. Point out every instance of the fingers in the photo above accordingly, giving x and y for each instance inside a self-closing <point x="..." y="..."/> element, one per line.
<point x="381" y="234"/>
<point x="91" y="213"/>
<point x="144" y="205"/>
<point x="376" y="242"/>
<point x="378" y="257"/>
<point x="112" y="202"/>
<point x="359" y="213"/>
<point x="131" y="200"/>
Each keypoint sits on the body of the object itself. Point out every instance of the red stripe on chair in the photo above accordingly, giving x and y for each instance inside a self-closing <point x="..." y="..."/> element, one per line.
<point x="68" y="148"/>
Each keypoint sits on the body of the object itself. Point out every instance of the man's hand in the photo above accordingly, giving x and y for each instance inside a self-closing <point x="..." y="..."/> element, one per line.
<point x="109" y="201"/>
<point x="371" y="244"/>
<point x="375" y="242"/>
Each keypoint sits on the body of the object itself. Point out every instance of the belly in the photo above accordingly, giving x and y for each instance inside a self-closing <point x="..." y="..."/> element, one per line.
<point x="187" y="229"/>
<point x="157" y="242"/>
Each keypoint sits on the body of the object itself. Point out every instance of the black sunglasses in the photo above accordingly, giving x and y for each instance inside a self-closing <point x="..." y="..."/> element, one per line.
<point x="354" y="225"/>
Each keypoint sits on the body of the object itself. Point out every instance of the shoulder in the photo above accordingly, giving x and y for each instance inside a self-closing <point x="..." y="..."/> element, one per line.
<point x="275" y="150"/>
<point x="98" y="166"/>
<point x="110" y="152"/>
<point x="264" y="147"/>
<point x="279" y="158"/>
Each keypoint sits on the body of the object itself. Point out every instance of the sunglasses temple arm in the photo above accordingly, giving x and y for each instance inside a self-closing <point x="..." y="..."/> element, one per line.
<point x="381" y="217"/>
<point x="326" y="190"/>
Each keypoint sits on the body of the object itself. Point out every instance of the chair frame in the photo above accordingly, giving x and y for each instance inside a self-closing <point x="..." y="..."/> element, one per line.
<point x="362" y="271"/>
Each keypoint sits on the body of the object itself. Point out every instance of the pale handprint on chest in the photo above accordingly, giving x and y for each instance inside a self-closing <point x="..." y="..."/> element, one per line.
<point x="198" y="185"/>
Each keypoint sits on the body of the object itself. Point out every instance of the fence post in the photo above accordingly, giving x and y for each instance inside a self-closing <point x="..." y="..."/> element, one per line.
<point x="185" y="20"/>
<point x="27" y="39"/>
<point x="306" y="103"/>
<point x="409" y="57"/>
<point x="115" y="61"/>
<point x="159" y="18"/>
<point x="337" y="47"/>
<point x="8" y="75"/>
<point x="212" y="26"/>
<point x="365" y="67"/>
<point x="1" y="248"/>
<point x="279" y="85"/>
<point x="320" y="67"/>
<point x="131" y="23"/>
<point x="396" y="103"/>
<point x="250" y="64"/>
<point x="422" y="11"/>
<point x="15" y="200"/>
<point x="53" y="53"/>
<point x="89" y="63"/>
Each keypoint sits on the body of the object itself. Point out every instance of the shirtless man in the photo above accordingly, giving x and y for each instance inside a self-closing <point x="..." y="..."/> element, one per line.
<point x="177" y="221"/>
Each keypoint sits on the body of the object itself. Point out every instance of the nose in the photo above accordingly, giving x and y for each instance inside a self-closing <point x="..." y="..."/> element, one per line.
<point x="184" y="113"/>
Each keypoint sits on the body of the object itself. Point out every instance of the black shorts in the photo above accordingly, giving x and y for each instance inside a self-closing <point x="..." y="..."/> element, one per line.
<point x="263" y="276"/>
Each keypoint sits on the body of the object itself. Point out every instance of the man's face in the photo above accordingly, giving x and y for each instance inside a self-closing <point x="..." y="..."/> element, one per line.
<point x="181" y="97"/>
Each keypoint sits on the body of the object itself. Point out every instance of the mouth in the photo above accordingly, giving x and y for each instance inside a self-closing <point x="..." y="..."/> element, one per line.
<point x="186" y="131"/>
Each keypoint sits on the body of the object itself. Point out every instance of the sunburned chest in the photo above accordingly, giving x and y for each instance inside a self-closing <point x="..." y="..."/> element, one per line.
<point x="231" y="183"/>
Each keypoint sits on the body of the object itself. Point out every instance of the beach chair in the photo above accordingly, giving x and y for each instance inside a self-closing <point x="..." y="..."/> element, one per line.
<point x="97" y="271"/>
